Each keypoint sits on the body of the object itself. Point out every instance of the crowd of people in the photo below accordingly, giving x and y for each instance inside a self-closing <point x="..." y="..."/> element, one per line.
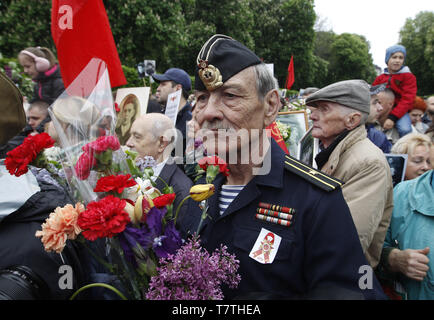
<point x="347" y="215"/>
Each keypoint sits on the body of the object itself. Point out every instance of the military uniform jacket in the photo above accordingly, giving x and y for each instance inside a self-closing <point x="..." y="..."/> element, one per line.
<point x="319" y="255"/>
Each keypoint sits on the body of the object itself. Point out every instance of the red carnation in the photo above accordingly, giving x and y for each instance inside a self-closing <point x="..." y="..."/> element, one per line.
<point x="102" y="144"/>
<point x="84" y="164"/>
<point x="103" y="218"/>
<point x="114" y="183"/>
<point x="205" y="162"/>
<point x="117" y="108"/>
<point x="164" y="200"/>
<point x="19" y="158"/>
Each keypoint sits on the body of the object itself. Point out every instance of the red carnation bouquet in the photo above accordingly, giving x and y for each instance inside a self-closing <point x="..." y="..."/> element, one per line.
<point x="18" y="159"/>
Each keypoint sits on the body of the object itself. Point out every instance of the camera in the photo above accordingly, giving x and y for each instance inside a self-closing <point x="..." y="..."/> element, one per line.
<point x="22" y="283"/>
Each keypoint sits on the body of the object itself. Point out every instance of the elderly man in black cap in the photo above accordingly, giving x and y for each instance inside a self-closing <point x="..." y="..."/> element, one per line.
<point x="288" y="225"/>
<point x="172" y="80"/>
<point x="339" y="113"/>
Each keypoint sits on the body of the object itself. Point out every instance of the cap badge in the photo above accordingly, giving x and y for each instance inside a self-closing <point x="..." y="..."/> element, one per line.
<point x="210" y="75"/>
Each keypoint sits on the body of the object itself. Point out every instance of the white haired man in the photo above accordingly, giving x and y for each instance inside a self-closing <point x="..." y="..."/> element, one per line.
<point x="339" y="113"/>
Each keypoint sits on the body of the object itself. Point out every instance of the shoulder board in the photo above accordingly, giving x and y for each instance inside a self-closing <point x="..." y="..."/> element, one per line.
<point x="314" y="176"/>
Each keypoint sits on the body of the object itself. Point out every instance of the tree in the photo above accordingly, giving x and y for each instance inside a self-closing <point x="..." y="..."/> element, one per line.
<point x="146" y="29"/>
<point x="417" y="35"/>
<point x="350" y="59"/>
<point x="323" y="44"/>
<point x="284" y="28"/>
<point x="35" y="31"/>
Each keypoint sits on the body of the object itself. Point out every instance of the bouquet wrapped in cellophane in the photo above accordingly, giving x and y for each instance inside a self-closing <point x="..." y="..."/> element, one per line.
<point x="125" y="222"/>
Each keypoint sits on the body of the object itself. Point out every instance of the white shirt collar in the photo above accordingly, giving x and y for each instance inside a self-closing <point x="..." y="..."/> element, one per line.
<point x="158" y="168"/>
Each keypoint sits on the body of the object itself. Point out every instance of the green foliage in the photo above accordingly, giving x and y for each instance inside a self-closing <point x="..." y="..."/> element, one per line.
<point x="25" y="24"/>
<point x="173" y="31"/>
<point x="284" y="29"/>
<point x="417" y="36"/>
<point x="350" y="59"/>
<point x="14" y="71"/>
<point x="132" y="77"/>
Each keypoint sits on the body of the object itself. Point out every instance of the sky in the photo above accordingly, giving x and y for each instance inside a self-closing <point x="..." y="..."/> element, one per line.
<point x="378" y="20"/>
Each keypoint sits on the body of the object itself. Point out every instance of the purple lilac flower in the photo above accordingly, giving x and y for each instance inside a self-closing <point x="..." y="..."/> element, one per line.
<point x="145" y="162"/>
<point x="193" y="274"/>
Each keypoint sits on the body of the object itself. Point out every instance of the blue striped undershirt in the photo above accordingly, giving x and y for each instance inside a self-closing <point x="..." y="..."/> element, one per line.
<point x="227" y="195"/>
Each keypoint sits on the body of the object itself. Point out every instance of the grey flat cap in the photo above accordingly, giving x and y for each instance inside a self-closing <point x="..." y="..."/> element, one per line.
<point x="353" y="94"/>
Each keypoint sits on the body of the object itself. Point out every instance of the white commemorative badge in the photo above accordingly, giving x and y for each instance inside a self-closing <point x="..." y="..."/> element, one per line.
<point x="266" y="246"/>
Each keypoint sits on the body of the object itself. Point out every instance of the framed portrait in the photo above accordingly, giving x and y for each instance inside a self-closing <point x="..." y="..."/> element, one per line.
<point x="398" y="165"/>
<point x="308" y="149"/>
<point x="150" y="66"/>
<point x="297" y="121"/>
<point x="132" y="102"/>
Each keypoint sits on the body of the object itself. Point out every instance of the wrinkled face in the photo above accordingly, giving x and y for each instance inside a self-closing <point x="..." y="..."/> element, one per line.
<point x="395" y="62"/>
<point x="142" y="141"/>
<point x="232" y="107"/>
<point x="28" y="65"/>
<point x="163" y="90"/>
<point x="328" y="121"/>
<point x="375" y="109"/>
<point x="415" y="116"/>
<point x="418" y="162"/>
<point x="35" y="117"/>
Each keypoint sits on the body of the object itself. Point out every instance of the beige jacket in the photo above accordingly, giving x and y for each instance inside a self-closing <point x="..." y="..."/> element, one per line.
<point x="368" y="188"/>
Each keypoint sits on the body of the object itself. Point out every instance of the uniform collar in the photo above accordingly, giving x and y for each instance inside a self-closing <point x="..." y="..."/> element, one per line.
<point x="275" y="177"/>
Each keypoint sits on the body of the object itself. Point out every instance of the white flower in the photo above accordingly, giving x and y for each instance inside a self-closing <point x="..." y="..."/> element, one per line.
<point x="144" y="187"/>
<point x="52" y="154"/>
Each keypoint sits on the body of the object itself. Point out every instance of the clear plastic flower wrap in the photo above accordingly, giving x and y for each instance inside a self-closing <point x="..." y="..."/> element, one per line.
<point x="84" y="120"/>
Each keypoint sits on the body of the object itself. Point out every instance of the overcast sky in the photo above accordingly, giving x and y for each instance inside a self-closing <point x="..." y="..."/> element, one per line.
<point x="378" y="20"/>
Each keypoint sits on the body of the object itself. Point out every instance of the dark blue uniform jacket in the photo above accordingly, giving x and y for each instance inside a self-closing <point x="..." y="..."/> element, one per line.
<point x="319" y="255"/>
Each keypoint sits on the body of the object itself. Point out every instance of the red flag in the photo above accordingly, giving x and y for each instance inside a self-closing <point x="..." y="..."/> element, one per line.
<point x="290" y="77"/>
<point x="275" y="134"/>
<point x="81" y="31"/>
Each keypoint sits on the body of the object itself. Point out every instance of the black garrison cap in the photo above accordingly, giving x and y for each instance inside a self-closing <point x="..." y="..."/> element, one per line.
<point x="220" y="58"/>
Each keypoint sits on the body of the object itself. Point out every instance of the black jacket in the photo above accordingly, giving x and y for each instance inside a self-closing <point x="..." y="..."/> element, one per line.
<point x="181" y="184"/>
<point x="48" y="86"/>
<point x="19" y="246"/>
<point x="319" y="254"/>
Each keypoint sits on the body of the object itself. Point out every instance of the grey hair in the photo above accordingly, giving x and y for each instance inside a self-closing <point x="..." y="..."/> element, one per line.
<point x="346" y="111"/>
<point x="163" y="128"/>
<point x="265" y="81"/>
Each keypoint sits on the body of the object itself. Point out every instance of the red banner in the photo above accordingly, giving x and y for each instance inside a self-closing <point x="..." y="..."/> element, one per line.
<point x="81" y="31"/>
<point x="275" y="134"/>
<point x="290" y="78"/>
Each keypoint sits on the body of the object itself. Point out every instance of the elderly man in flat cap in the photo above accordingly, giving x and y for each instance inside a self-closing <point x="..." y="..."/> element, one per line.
<point x="289" y="226"/>
<point x="339" y="112"/>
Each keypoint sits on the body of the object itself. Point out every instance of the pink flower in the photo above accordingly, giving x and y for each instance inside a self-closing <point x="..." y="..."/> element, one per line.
<point x="84" y="164"/>
<point x="60" y="226"/>
<point x="102" y="144"/>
